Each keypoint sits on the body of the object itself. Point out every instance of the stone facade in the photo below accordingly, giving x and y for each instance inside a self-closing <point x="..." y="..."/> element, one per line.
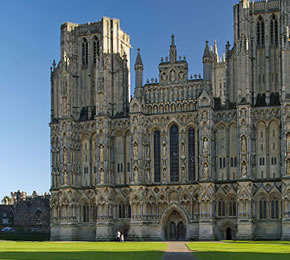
<point x="186" y="157"/>
<point x="26" y="213"/>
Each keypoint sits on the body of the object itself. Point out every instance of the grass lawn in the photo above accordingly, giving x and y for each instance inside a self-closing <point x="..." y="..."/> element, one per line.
<point x="81" y="250"/>
<point x="238" y="250"/>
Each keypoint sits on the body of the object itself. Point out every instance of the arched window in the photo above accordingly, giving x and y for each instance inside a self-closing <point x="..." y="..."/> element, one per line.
<point x="263" y="209"/>
<point x="191" y="154"/>
<point x="232" y="208"/>
<point x="260" y="32"/>
<point x="85" y="52"/>
<point x="174" y="154"/>
<point x="86" y="213"/>
<point x="221" y="208"/>
<point x="274" y="30"/>
<point x="275" y="209"/>
<point x="157" y="156"/>
<point x="96" y="49"/>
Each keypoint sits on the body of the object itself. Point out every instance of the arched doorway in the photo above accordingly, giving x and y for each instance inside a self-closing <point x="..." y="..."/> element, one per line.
<point x="174" y="228"/>
<point x="229" y="234"/>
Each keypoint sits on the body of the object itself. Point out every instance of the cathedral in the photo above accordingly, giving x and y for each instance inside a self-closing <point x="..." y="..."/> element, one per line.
<point x="200" y="157"/>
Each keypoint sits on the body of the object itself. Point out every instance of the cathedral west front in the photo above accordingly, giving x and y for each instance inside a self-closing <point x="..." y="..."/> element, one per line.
<point x="198" y="157"/>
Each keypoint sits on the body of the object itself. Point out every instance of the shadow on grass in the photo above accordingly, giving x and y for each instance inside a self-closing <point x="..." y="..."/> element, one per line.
<point x="240" y="256"/>
<point x="82" y="255"/>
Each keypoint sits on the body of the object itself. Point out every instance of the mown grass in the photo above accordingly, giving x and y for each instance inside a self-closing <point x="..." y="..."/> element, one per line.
<point x="241" y="250"/>
<point x="81" y="250"/>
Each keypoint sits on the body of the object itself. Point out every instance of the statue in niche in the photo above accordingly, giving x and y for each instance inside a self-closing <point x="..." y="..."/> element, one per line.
<point x="102" y="177"/>
<point x="101" y="149"/>
<point x="205" y="170"/>
<point x="164" y="150"/>
<point x="244" y="168"/>
<point x="205" y="147"/>
<point x="163" y="76"/>
<point x="288" y="142"/>
<point x="182" y="149"/>
<point x="64" y="156"/>
<point x="135" y="150"/>
<point x="164" y="174"/>
<point x="136" y="174"/>
<point x="148" y="175"/>
<point x="64" y="177"/>
<point x="288" y="167"/>
<point x="172" y="76"/>
<point x="243" y="144"/>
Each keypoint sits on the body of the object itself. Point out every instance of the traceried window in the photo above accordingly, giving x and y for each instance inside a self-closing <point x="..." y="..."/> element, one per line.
<point x="157" y="156"/>
<point x="191" y="154"/>
<point x="174" y="154"/>
<point x="274" y="30"/>
<point x="85" y="52"/>
<point x="232" y="208"/>
<point x="275" y="209"/>
<point x="221" y="208"/>
<point x="260" y="32"/>
<point x="86" y="213"/>
<point x="96" y="49"/>
<point x="263" y="209"/>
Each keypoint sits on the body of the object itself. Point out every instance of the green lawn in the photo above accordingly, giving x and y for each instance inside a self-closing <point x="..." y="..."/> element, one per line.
<point x="241" y="250"/>
<point x="81" y="250"/>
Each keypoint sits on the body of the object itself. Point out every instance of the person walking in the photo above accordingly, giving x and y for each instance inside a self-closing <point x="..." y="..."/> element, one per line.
<point x="122" y="237"/>
<point x="118" y="236"/>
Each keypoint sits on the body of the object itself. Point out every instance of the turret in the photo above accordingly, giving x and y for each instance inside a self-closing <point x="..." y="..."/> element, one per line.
<point x="207" y="63"/>
<point x="138" y="71"/>
<point x="172" y="51"/>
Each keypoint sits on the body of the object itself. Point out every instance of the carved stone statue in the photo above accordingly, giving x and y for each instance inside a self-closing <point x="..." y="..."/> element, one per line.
<point x="101" y="149"/>
<point x="136" y="175"/>
<point x="164" y="150"/>
<point x="172" y="76"/>
<point x="102" y="177"/>
<point x="205" y="170"/>
<point x="135" y="151"/>
<point x="288" y="167"/>
<point x="244" y="144"/>
<point x="288" y="142"/>
<point x="182" y="148"/>
<point x="244" y="168"/>
<point x="164" y="174"/>
<point x="205" y="147"/>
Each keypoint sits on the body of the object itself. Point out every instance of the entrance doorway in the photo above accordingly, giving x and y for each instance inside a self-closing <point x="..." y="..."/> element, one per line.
<point x="175" y="228"/>
<point x="229" y="234"/>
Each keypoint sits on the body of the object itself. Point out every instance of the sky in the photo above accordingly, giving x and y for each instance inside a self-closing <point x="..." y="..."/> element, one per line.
<point x="30" y="40"/>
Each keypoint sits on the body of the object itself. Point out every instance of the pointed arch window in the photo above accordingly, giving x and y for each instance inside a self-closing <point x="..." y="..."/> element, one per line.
<point x="157" y="156"/>
<point x="274" y="30"/>
<point x="275" y="209"/>
<point x="174" y="154"/>
<point x="85" y="52"/>
<point x="191" y="154"/>
<point x="260" y="32"/>
<point x="96" y="49"/>
<point x="263" y="209"/>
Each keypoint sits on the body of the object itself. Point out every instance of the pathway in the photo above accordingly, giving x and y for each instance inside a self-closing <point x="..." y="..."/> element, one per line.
<point x="178" y="250"/>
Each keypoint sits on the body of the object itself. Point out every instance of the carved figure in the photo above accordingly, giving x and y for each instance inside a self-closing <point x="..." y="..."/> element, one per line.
<point x="101" y="148"/>
<point x="164" y="150"/>
<point x="244" y="168"/>
<point x="288" y="142"/>
<point x="135" y="150"/>
<point x="102" y="177"/>
<point x="243" y="144"/>
<point x="205" y="147"/>
<point x="164" y="174"/>
<point x="205" y="170"/>
<point x="288" y="167"/>
<point x="136" y="174"/>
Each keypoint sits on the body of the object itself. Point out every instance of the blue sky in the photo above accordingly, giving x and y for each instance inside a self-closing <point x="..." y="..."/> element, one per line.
<point x="30" y="40"/>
